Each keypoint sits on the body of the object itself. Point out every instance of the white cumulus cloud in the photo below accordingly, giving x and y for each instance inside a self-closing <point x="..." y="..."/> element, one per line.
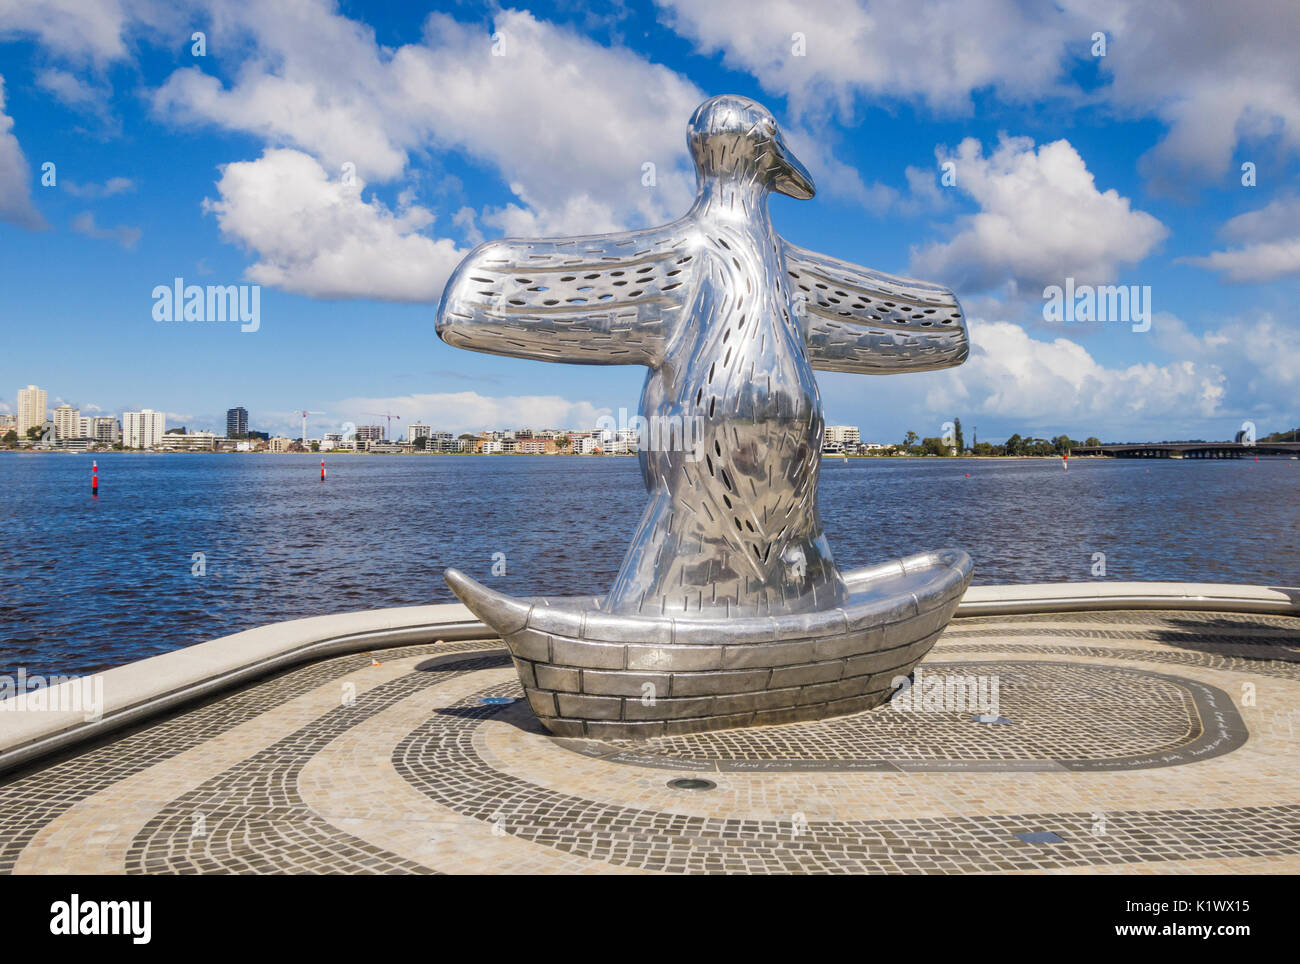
<point x="1058" y="381"/>
<point x="316" y="235"/>
<point x="557" y="114"/>
<point x="1217" y="75"/>
<point x="1269" y="244"/>
<point x="1041" y="220"/>
<point x="1259" y="353"/>
<point x="937" y="53"/>
<point x="16" y="205"/>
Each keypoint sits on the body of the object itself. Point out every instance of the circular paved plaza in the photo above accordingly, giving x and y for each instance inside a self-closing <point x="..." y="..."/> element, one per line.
<point x="1120" y="742"/>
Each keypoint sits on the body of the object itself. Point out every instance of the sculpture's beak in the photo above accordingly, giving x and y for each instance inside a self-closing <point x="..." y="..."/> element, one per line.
<point x="792" y="178"/>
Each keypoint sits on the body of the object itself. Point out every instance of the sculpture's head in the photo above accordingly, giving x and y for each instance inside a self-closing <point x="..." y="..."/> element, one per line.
<point x="732" y="136"/>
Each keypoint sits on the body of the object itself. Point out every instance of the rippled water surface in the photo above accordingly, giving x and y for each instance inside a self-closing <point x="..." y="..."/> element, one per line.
<point x="90" y="583"/>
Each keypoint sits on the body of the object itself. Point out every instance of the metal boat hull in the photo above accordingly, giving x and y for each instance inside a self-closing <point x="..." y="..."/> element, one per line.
<point x="589" y="673"/>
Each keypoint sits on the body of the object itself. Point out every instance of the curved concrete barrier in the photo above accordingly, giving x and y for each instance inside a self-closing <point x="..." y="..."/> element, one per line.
<point x="1066" y="597"/>
<point x="149" y="687"/>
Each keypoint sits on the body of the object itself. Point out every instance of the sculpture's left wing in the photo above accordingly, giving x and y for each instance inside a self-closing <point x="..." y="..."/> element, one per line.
<point x="859" y="320"/>
<point x="601" y="300"/>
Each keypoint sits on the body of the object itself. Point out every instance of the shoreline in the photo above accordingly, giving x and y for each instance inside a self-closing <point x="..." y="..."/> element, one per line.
<point x="591" y="455"/>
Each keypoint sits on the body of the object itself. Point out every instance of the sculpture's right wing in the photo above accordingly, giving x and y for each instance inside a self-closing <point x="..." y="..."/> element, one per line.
<point x="859" y="320"/>
<point x="601" y="300"/>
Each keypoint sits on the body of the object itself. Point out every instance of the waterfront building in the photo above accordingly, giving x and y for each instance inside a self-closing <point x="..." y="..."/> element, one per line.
<point x="842" y="435"/>
<point x="418" y="431"/>
<point x="279" y="444"/>
<point x="330" y="441"/>
<point x="628" y="442"/>
<point x="191" y="442"/>
<point x="143" y="429"/>
<point x="31" y="409"/>
<point x="535" y="446"/>
<point x="369" y="433"/>
<point x="104" y="429"/>
<point x="67" y="423"/>
<point x="236" y="422"/>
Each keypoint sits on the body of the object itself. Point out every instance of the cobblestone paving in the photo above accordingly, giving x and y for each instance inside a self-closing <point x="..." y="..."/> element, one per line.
<point x="1136" y="696"/>
<point x="1282" y="668"/>
<point x="250" y="819"/>
<point x="441" y="761"/>
<point x="1060" y="711"/>
<point x="28" y="803"/>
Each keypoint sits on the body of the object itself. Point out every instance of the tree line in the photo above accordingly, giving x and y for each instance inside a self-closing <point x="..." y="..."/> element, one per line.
<point x="954" y="443"/>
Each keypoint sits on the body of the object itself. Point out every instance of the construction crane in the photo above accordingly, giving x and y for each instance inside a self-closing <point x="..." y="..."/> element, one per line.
<point x="389" y="416"/>
<point x="304" y="413"/>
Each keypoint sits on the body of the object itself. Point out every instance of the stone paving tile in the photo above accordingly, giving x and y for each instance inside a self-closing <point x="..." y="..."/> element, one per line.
<point x="1108" y="713"/>
<point x="452" y="771"/>
<point x="31" y="799"/>
<point x="1281" y="668"/>
<point x="353" y="784"/>
<point x="252" y="816"/>
<point x="417" y="775"/>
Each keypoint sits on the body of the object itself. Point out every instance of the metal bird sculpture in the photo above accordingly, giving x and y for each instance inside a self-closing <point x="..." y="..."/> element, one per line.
<point x="729" y="559"/>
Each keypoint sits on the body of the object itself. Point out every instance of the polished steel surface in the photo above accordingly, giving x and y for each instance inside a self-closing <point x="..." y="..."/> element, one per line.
<point x="731" y="320"/>
<point x="591" y="674"/>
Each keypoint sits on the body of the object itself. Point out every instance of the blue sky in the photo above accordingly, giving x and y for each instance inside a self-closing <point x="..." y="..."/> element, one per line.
<point x="464" y="121"/>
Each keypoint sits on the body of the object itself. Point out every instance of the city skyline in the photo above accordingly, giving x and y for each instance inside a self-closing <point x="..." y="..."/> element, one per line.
<point x="108" y="430"/>
<point x="1080" y="167"/>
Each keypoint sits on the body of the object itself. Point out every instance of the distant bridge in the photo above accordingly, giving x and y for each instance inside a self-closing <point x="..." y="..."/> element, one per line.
<point x="1189" y="450"/>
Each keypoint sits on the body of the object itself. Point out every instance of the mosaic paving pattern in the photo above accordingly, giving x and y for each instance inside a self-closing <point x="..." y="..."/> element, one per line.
<point x="27" y="803"/>
<point x="251" y="817"/>
<point x="1059" y="712"/>
<point x="1124" y="741"/>
<point x="443" y="762"/>
<point x="1281" y="668"/>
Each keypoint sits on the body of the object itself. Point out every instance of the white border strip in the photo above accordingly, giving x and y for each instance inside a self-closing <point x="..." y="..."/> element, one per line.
<point x="1067" y="597"/>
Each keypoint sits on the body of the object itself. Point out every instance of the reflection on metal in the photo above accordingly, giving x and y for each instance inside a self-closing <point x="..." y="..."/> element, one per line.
<point x="731" y="321"/>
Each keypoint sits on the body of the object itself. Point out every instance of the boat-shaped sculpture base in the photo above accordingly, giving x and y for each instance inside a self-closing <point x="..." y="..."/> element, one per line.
<point x="592" y="674"/>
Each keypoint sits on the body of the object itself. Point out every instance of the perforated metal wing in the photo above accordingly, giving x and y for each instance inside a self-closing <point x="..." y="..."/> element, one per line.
<point x="864" y="321"/>
<point x="600" y="300"/>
